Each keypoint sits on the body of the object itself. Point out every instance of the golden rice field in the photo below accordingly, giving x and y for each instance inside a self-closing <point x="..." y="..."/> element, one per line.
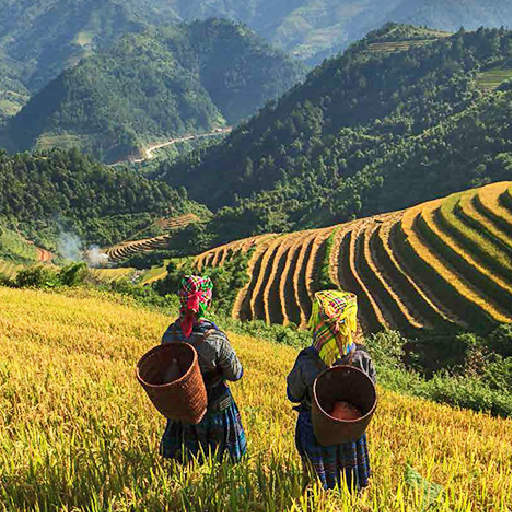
<point x="78" y="433"/>
<point x="438" y="266"/>
<point x="111" y="275"/>
<point x="493" y="78"/>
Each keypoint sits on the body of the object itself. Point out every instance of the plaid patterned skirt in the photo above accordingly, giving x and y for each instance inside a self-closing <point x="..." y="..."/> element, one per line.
<point x="220" y="431"/>
<point x="329" y="462"/>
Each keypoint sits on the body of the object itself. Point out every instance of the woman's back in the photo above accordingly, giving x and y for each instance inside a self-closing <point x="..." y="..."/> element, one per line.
<point x="216" y="357"/>
<point x="308" y="365"/>
<point x="221" y="428"/>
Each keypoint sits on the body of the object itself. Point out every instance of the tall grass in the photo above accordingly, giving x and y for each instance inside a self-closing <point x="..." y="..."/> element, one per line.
<point x="77" y="432"/>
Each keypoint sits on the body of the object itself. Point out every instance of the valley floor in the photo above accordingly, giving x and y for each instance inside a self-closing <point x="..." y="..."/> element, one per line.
<point x="77" y="432"/>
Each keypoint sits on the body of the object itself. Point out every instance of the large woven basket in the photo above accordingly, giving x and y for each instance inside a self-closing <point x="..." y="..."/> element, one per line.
<point x="336" y="384"/>
<point x="184" y="397"/>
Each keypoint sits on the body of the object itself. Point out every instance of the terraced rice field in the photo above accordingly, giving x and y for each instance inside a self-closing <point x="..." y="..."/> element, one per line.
<point x="125" y="250"/>
<point x="9" y="269"/>
<point x="110" y="275"/>
<point x="407" y="44"/>
<point x="493" y="78"/>
<point x="15" y="245"/>
<point x="154" y="274"/>
<point x="171" y="223"/>
<point x="43" y="255"/>
<point x="439" y="266"/>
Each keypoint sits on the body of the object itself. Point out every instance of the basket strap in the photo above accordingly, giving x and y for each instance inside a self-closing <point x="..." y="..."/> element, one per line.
<point x="204" y="337"/>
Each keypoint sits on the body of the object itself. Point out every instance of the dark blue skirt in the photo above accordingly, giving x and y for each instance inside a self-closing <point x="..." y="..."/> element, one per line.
<point x="330" y="462"/>
<point x="220" y="431"/>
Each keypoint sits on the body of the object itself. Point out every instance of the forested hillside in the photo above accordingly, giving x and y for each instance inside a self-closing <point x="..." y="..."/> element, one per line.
<point x="154" y="85"/>
<point x="41" y="38"/>
<point x="406" y="115"/>
<point x="58" y="192"/>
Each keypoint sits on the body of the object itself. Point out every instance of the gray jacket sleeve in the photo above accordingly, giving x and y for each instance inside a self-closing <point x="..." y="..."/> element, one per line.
<point x="228" y="362"/>
<point x="168" y="335"/>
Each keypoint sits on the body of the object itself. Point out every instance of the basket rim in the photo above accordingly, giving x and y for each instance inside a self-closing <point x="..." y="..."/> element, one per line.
<point x="337" y="420"/>
<point x="159" y="348"/>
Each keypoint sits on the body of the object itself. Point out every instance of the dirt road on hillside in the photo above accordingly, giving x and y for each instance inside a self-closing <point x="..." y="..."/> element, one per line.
<point x="148" y="153"/>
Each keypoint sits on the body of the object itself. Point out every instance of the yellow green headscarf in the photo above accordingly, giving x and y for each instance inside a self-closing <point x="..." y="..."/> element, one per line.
<point x="333" y="322"/>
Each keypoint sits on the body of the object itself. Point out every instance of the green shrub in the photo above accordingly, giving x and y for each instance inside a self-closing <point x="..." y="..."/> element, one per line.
<point x="227" y="280"/>
<point x="36" y="277"/>
<point x="323" y="279"/>
<point x="6" y="280"/>
<point x="73" y="274"/>
<point x="500" y="340"/>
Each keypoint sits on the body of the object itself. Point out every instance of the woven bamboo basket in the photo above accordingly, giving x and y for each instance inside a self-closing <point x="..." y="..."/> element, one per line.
<point x="336" y="384"/>
<point x="170" y="375"/>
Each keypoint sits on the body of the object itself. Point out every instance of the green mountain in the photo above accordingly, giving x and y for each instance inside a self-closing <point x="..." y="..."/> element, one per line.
<point x="404" y="116"/>
<point x="154" y="85"/>
<point x="41" y="38"/>
<point x="57" y="192"/>
<point x="308" y="29"/>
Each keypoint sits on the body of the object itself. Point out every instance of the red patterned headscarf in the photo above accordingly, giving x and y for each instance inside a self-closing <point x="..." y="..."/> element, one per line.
<point x="195" y="297"/>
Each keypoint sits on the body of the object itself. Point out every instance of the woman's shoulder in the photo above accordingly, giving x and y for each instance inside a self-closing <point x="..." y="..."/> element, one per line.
<point x="355" y="358"/>
<point x="170" y="333"/>
<point x="309" y="358"/>
<point x="207" y="326"/>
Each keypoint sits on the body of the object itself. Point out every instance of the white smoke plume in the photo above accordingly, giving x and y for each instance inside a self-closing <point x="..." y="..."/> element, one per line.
<point x="96" y="257"/>
<point x="70" y="246"/>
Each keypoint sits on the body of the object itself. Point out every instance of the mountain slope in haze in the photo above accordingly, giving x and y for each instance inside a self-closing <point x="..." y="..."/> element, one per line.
<point x="154" y="85"/>
<point x="400" y="118"/>
<point x="308" y="29"/>
<point x="453" y="14"/>
<point x="316" y="29"/>
<point x="41" y="38"/>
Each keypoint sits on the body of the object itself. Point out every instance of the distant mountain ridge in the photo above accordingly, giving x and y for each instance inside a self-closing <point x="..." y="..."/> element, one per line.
<point x="41" y="38"/>
<point x="453" y="14"/>
<point x="404" y="116"/>
<point x="316" y="29"/>
<point x="154" y="85"/>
